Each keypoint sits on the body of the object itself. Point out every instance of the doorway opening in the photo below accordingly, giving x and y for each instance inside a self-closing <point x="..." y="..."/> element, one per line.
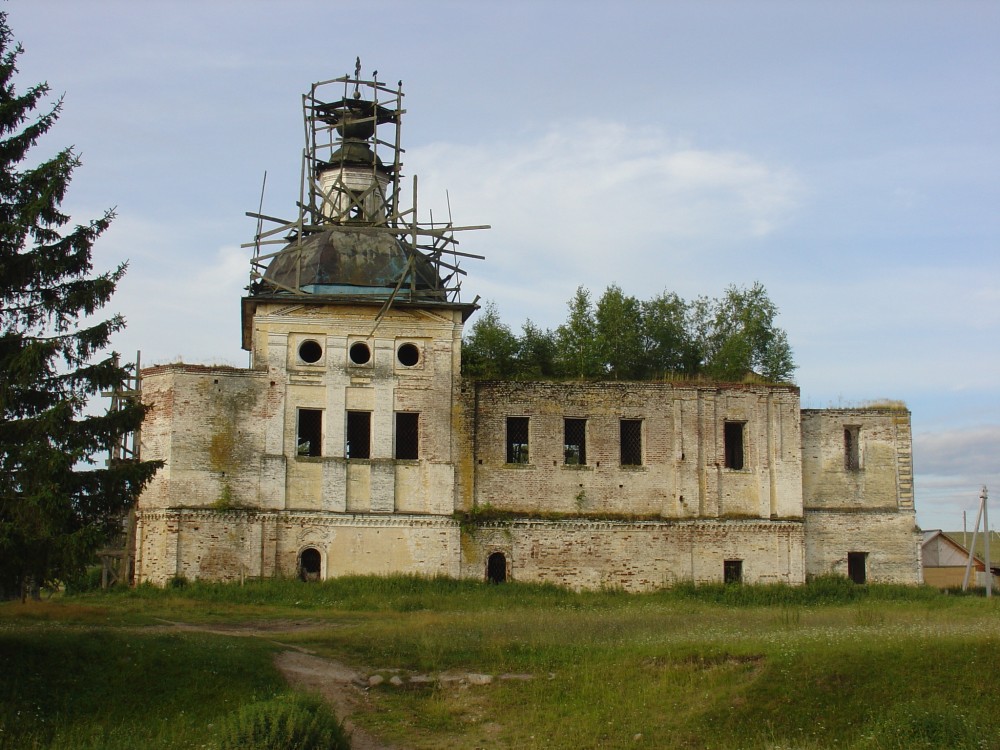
<point x="732" y="571"/>
<point x="496" y="568"/>
<point x="309" y="564"/>
<point x="857" y="566"/>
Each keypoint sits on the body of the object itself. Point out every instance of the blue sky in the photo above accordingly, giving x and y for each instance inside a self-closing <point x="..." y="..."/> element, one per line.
<point x="845" y="154"/>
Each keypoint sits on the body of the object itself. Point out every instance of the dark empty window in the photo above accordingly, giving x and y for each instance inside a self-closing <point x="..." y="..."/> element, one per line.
<point x="630" y="434"/>
<point x="360" y="353"/>
<point x="407" y="435"/>
<point x="359" y="434"/>
<point x="309" y="437"/>
<point x="310" y="352"/>
<point x="857" y="566"/>
<point x="732" y="571"/>
<point x="575" y="441"/>
<point x="852" y="450"/>
<point x="408" y="355"/>
<point x="517" y="440"/>
<point x="733" y="438"/>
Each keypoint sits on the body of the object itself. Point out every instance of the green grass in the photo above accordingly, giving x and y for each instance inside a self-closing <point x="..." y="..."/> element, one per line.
<point x="826" y="665"/>
<point x="106" y="687"/>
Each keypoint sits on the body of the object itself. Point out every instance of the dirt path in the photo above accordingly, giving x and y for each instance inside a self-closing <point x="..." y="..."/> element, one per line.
<point x="339" y="685"/>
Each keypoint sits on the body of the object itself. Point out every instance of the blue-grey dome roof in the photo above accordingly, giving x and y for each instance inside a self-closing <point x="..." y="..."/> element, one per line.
<point x="350" y="261"/>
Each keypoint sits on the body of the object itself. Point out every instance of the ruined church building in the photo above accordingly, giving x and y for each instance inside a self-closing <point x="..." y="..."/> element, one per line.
<point x="353" y="445"/>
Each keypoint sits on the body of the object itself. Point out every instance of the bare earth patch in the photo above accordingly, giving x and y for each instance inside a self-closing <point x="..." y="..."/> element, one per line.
<point x="343" y="688"/>
<point x="337" y="684"/>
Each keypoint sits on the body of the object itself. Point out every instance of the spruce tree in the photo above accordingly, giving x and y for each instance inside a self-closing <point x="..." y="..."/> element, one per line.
<point x="58" y="498"/>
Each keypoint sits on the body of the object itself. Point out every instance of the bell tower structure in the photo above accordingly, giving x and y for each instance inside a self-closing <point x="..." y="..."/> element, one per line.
<point x="357" y="318"/>
<point x="339" y="449"/>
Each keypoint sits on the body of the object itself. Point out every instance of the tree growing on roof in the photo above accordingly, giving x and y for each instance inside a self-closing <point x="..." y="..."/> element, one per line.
<point x="728" y="339"/>
<point x="743" y="337"/>
<point x="578" y="353"/>
<point x="56" y="504"/>
<point x="618" y="323"/>
<point x="489" y="351"/>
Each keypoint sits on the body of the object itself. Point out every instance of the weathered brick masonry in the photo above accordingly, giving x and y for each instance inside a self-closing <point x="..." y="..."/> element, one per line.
<point x="225" y="507"/>
<point x="865" y="505"/>
<point x="353" y="445"/>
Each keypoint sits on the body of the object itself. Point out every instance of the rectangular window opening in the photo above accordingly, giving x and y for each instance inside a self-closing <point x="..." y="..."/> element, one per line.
<point x="631" y="442"/>
<point x="857" y="566"/>
<point x="732" y="571"/>
<point x="359" y="435"/>
<point x="575" y="441"/>
<point x="407" y="435"/>
<point x="517" y="440"/>
<point x="309" y="433"/>
<point x="733" y="438"/>
<point x="852" y="449"/>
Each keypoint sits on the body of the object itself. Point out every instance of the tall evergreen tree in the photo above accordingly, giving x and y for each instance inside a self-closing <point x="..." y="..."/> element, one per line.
<point x="56" y="503"/>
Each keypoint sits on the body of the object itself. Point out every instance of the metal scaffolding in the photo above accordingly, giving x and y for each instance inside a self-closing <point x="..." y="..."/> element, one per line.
<point x="351" y="179"/>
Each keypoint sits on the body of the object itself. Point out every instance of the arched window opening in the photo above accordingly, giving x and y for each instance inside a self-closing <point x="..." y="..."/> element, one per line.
<point x="309" y="564"/>
<point x="496" y="568"/>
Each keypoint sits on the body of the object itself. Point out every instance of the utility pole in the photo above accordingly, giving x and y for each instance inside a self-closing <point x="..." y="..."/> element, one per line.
<point x="986" y="537"/>
<point x="984" y="515"/>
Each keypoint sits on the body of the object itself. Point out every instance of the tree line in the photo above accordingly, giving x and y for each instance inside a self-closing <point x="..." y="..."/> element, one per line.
<point x="624" y="338"/>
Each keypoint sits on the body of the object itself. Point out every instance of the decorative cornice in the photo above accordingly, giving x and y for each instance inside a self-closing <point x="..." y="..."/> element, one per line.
<point x="625" y="525"/>
<point x="326" y="518"/>
<point x="886" y="511"/>
<point x="321" y="518"/>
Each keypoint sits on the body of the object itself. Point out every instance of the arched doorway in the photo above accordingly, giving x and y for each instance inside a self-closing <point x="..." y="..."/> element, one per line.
<point x="496" y="568"/>
<point x="309" y="564"/>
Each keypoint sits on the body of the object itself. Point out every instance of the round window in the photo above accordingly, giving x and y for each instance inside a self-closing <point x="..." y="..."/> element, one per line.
<point x="408" y="355"/>
<point x="359" y="353"/>
<point x="310" y="352"/>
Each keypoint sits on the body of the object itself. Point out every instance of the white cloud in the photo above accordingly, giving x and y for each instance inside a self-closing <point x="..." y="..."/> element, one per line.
<point x="598" y="202"/>
<point x="179" y="305"/>
<point x="967" y="453"/>
<point x="952" y="466"/>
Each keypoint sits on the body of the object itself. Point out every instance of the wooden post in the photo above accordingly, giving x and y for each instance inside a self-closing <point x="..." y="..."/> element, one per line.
<point x="986" y="537"/>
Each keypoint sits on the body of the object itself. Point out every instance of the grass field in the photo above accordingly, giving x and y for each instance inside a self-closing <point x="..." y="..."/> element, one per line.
<point x="821" y="666"/>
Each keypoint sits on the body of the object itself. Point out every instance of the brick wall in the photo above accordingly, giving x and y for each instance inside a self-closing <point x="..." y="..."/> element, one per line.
<point x="889" y="540"/>
<point x="237" y="497"/>
<point x="231" y="545"/>
<point x="206" y="424"/>
<point x="861" y="503"/>
<point x="636" y="556"/>
<point x="880" y="477"/>
<point x="683" y="471"/>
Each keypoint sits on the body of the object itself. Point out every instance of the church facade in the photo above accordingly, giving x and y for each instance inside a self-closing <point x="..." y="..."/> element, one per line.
<point x="353" y="445"/>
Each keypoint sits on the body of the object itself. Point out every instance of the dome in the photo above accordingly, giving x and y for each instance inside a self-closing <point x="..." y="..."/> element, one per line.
<point x="352" y="153"/>
<point x="350" y="261"/>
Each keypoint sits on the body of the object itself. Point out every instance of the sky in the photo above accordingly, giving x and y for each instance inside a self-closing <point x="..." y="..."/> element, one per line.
<point x="843" y="153"/>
